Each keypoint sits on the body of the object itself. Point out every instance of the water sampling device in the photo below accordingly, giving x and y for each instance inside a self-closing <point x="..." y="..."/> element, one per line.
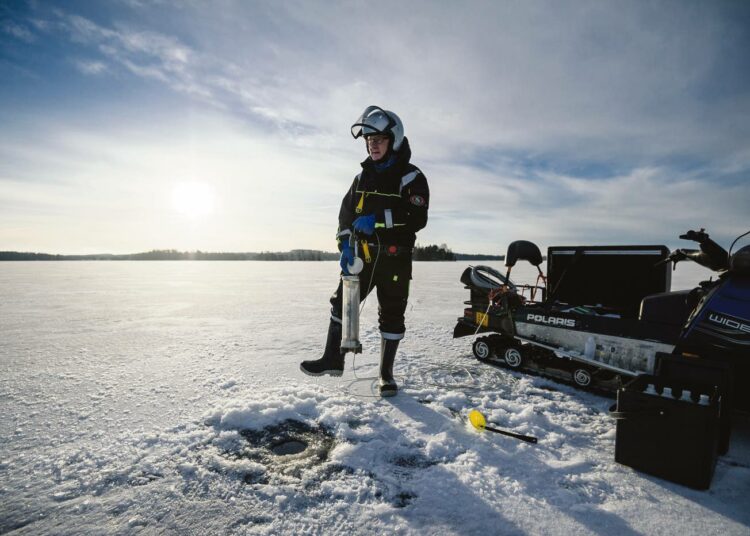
<point x="350" y="303"/>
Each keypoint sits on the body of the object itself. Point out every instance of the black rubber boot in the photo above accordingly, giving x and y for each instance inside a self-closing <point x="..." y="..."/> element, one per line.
<point x="332" y="362"/>
<point x="388" y="349"/>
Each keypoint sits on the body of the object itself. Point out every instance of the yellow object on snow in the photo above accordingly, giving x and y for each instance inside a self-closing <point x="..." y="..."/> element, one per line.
<point x="477" y="420"/>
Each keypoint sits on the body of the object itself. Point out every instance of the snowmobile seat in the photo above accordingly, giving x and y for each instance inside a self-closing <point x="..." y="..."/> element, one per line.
<point x="523" y="250"/>
<point x="670" y="308"/>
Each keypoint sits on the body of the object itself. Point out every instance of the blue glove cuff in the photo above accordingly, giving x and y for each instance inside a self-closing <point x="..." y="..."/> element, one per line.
<point x="347" y="257"/>
<point x="365" y="224"/>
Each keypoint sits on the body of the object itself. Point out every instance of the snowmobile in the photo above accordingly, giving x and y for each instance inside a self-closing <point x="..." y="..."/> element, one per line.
<point x="604" y="314"/>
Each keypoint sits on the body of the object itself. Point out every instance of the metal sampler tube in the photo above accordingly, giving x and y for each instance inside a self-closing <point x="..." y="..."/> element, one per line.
<point x="350" y="306"/>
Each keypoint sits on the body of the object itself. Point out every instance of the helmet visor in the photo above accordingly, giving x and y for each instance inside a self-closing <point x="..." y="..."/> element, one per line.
<point x="374" y="120"/>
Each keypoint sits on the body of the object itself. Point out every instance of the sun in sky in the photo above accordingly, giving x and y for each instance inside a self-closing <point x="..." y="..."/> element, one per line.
<point x="194" y="199"/>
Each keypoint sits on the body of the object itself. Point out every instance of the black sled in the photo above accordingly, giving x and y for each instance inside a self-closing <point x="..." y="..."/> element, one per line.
<point x="604" y="314"/>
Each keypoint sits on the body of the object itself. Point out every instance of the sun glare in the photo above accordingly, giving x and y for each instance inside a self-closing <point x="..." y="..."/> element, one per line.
<point x="193" y="199"/>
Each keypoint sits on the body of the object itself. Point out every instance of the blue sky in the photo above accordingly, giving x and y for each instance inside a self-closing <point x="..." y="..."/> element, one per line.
<point x="132" y="125"/>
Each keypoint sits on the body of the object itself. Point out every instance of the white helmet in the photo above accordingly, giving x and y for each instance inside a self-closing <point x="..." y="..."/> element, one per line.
<point x="375" y="120"/>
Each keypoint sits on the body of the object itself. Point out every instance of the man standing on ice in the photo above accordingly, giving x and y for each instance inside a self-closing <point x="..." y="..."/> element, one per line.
<point x="386" y="205"/>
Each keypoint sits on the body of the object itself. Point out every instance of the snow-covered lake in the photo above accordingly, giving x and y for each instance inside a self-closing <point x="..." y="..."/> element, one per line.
<point x="141" y="397"/>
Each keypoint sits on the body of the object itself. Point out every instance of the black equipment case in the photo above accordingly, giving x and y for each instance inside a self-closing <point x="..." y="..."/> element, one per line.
<point x="674" y="438"/>
<point x="617" y="277"/>
<point x="694" y="371"/>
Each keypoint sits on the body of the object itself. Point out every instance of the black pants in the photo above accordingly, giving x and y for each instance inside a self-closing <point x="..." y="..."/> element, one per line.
<point x="390" y="275"/>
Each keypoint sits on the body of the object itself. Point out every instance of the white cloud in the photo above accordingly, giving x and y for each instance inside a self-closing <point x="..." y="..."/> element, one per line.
<point x="600" y="80"/>
<point x="646" y="205"/>
<point x="586" y="121"/>
<point x="90" y="67"/>
<point x="18" y="31"/>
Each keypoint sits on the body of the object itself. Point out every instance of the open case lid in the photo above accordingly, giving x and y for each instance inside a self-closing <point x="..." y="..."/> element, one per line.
<point x="618" y="277"/>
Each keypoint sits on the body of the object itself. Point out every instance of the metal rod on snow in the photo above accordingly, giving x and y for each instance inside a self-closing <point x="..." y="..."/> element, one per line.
<point x="528" y="439"/>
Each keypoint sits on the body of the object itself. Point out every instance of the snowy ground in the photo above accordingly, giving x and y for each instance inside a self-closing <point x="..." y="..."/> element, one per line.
<point x="143" y="398"/>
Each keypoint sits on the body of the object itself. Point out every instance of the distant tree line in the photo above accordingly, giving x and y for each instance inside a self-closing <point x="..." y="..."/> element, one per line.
<point x="297" y="255"/>
<point x="174" y="255"/>
<point x="421" y="253"/>
<point x="478" y="257"/>
<point x="433" y="253"/>
<point x="443" y="253"/>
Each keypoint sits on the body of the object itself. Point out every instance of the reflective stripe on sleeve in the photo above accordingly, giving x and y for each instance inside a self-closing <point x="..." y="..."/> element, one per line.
<point x="388" y="218"/>
<point x="406" y="179"/>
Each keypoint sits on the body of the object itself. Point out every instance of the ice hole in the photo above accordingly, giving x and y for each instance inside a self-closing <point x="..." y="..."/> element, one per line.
<point x="289" y="447"/>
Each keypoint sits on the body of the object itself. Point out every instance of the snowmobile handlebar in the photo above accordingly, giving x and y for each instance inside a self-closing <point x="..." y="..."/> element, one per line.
<point x="696" y="236"/>
<point x="711" y="255"/>
<point x="680" y="255"/>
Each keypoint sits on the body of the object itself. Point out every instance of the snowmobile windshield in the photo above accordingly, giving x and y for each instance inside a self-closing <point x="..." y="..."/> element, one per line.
<point x="484" y="277"/>
<point x="740" y="261"/>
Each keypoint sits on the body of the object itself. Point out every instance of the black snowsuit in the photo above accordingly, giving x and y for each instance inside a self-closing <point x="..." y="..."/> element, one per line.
<point x="399" y="197"/>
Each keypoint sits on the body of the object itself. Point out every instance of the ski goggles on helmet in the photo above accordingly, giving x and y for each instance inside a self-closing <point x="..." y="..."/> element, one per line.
<point x="374" y="120"/>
